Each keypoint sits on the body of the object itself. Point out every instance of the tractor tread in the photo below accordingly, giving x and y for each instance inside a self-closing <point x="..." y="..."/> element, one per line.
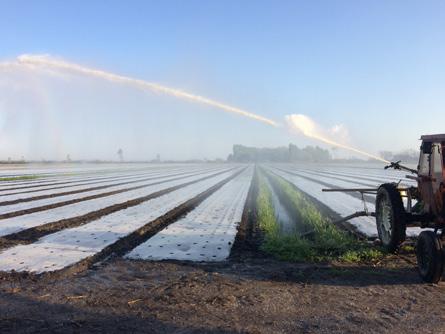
<point x="398" y="215"/>
<point x="430" y="271"/>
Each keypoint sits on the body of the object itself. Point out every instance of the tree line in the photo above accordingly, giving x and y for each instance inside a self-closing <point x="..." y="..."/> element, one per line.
<point x="292" y="153"/>
<point x="407" y="156"/>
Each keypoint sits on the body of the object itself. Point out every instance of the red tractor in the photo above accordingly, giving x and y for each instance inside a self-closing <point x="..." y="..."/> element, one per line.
<point x="397" y="208"/>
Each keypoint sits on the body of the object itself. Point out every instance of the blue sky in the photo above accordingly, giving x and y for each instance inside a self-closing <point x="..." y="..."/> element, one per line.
<point x="376" y="67"/>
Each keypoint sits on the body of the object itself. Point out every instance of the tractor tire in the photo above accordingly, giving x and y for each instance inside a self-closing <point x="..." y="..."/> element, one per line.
<point x="430" y="257"/>
<point x="390" y="217"/>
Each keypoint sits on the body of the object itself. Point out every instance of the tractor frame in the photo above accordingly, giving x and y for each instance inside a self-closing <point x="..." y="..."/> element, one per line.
<point x="399" y="207"/>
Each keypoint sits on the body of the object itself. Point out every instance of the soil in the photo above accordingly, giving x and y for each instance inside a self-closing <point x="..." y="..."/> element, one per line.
<point x="249" y="293"/>
<point x="246" y="295"/>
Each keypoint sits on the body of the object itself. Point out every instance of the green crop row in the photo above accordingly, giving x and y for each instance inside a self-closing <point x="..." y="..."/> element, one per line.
<point x="19" y="178"/>
<point x="323" y="241"/>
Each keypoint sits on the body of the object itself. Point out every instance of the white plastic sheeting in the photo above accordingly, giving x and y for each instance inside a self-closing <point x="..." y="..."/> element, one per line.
<point x="205" y="234"/>
<point x="24" y="188"/>
<point x="137" y="182"/>
<point x="60" y="249"/>
<point x="19" y="223"/>
<point x="56" y="170"/>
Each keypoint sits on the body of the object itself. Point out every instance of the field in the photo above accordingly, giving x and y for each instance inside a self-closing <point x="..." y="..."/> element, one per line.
<point x="202" y="247"/>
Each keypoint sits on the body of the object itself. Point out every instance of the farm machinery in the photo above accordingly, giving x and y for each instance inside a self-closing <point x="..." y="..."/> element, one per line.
<point x="398" y="207"/>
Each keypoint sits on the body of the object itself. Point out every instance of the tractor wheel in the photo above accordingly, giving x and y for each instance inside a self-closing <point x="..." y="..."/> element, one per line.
<point x="390" y="217"/>
<point x="430" y="257"/>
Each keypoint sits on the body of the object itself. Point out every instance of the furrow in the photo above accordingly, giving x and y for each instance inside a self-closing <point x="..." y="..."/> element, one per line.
<point x="207" y="233"/>
<point x="118" y="232"/>
<point x="62" y="214"/>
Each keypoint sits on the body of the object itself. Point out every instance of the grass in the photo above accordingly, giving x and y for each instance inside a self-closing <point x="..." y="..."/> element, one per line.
<point x="19" y="178"/>
<point x="325" y="242"/>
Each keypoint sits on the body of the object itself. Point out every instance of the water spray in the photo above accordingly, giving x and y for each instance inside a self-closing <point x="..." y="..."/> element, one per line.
<point x="307" y="127"/>
<point x="141" y="84"/>
<point x="300" y="123"/>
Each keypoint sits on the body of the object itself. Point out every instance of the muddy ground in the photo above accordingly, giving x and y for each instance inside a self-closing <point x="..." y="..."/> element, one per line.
<point x="249" y="294"/>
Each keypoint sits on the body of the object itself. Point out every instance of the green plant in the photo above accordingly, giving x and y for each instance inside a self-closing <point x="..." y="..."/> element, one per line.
<point x="323" y="241"/>
<point x="265" y="210"/>
<point x="19" y="178"/>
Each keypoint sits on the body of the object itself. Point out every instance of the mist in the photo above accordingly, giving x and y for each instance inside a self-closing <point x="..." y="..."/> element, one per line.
<point x="47" y="115"/>
<point x="55" y="110"/>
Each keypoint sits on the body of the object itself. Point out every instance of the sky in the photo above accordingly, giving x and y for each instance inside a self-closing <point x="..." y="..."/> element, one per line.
<point x="374" y="69"/>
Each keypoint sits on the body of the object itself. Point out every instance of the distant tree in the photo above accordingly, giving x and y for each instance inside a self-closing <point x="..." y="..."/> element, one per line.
<point x="244" y="154"/>
<point x="387" y="155"/>
<point x="279" y="154"/>
<point x="120" y="154"/>
<point x="407" y="156"/>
